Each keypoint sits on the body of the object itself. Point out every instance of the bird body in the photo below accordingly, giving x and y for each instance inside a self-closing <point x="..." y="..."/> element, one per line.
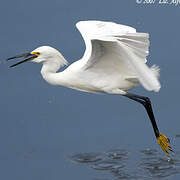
<point x="78" y="78"/>
<point x="114" y="62"/>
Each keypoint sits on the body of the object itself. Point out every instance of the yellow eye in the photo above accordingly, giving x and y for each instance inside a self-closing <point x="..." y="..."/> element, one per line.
<point x="36" y="53"/>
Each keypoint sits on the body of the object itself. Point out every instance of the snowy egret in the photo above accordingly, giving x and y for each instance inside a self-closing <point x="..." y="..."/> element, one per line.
<point x="114" y="62"/>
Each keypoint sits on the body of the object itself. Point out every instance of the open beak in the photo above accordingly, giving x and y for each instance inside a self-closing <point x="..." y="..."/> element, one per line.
<point x="27" y="56"/>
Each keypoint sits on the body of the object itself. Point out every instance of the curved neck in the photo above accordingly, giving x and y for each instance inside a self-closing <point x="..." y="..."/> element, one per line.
<point x="50" y="68"/>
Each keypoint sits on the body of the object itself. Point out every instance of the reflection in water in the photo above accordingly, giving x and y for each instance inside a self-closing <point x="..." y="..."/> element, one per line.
<point x="151" y="164"/>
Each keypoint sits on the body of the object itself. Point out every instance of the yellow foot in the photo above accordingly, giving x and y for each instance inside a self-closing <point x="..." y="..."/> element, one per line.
<point x="163" y="141"/>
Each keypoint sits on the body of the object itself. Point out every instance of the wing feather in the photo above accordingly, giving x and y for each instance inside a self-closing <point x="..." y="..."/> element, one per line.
<point x="145" y="75"/>
<point x="117" y="49"/>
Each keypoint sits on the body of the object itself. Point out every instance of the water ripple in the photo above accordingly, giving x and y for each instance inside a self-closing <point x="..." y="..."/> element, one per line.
<point x="107" y="165"/>
<point x="117" y="154"/>
<point x="86" y="157"/>
<point x="159" y="167"/>
<point x="150" y="164"/>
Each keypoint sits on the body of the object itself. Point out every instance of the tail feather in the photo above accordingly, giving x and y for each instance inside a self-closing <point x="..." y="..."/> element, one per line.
<point x="156" y="71"/>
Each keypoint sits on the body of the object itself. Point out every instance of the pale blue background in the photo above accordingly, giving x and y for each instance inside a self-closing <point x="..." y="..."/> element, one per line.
<point x="41" y="125"/>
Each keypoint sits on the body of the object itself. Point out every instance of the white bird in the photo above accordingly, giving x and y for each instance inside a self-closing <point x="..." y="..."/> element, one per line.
<point x="114" y="62"/>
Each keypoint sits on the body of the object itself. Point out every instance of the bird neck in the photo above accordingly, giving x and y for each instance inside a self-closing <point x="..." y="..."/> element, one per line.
<point x="50" y="68"/>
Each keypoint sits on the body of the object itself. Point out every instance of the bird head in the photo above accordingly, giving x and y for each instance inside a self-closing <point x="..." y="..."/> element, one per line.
<point x="43" y="54"/>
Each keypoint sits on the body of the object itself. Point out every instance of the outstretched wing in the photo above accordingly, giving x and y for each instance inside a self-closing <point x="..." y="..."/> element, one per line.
<point x="115" y="48"/>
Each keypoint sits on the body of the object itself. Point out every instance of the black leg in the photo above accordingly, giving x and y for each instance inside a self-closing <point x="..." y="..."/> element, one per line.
<point x="145" y="101"/>
<point x="161" y="138"/>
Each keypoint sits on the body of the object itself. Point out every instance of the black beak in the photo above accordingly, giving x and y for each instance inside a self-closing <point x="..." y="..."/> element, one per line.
<point x="28" y="57"/>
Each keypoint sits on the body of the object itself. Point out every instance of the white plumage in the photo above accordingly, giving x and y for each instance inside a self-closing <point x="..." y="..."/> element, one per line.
<point x="114" y="60"/>
<point x="119" y="51"/>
